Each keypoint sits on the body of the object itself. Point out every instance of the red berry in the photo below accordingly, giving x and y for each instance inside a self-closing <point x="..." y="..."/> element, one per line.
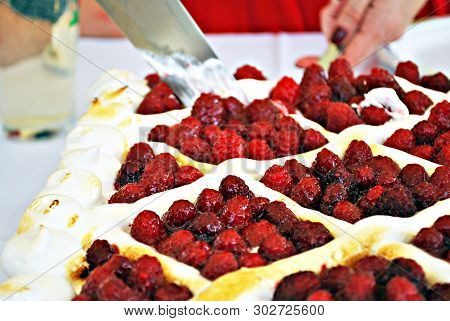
<point x="218" y="264"/>
<point x="346" y="211"/>
<point x="443" y="157"/>
<point x="236" y="213"/>
<point x="209" y="200"/>
<point x="312" y="139"/>
<point x="159" y="133"/>
<point x="402" y="139"/>
<point x="286" y="142"/>
<point x="129" y="193"/>
<point x="186" y="175"/>
<point x="395" y="201"/>
<point x="175" y="243"/>
<point x="429" y="240"/>
<point x="237" y="126"/>
<point x="375" y="265"/>
<point x="442" y="224"/>
<point x="227" y="146"/>
<point x="326" y="161"/>
<point x="250" y="260"/>
<point x="407" y="268"/>
<point x="438" y="82"/>
<point x="425" y="132"/>
<point x="197" y="149"/>
<point x="334" y="193"/>
<point x="278" y="178"/>
<point x="146" y="274"/>
<point x="191" y="125"/>
<point x="141" y="153"/>
<point x="424" y="194"/>
<point x="374" y="116"/>
<point x="276" y="247"/>
<point x="172" y="292"/>
<point x="179" y="213"/>
<point x="417" y="102"/>
<point x="148" y="228"/>
<point x="152" y="79"/>
<point x="232" y="186"/>
<point x="309" y="235"/>
<point x="286" y="90"/>
<point x="255" y="233"/>
<point x="249" y="72"/>
<point x="413" y="174"/>
<point x="296" y="287"/>
<point x="208" y="108"/>
<point x="114" y="289"/>
<point x="357" y="153"/>
<point x="234" y="108"/>
<point x="368" y="201"/>
<point x="335" y="278"/>
<point x="206" y="225"/>
<point x="261" y="130"/>
<point x="277" y="213"/>
<point x="262" y="109"/>
<point x="210" y="133"/>
<point x="440" y="116"/>
<point x="307" y="192"/>
<point x="258" y="206"/>
<point x="340" y="116"/>
<point x="359" y="287"/>
<point x="163" y="161"/>
<point x="195" y="254"/>
<point x="442" y="141"/>
<point x="441" y="181"/>
<point x="383" y="167"/>
<point x="297" y="170"/>
<point x="98" y="253"/>
<point x="439" y="292"/>
<point x="320" y="295"/>
<point x="259" y="149"/>
<point x="130" y="172"/>
<point x="401" y="289"/>
<point x="423" y="151"/>
<point x="363" y="176"/>
<point x="409" y="71"/>
<point x="230" y="240"/>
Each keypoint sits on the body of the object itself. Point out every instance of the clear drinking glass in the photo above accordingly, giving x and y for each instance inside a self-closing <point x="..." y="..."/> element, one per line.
<point x="37" y="61"/>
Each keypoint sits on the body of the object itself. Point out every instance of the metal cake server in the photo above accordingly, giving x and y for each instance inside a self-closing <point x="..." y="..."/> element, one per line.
<point x="173" y="44"/>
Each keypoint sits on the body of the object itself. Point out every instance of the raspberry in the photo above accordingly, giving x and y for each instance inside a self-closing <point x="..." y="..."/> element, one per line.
<point x="286" y="142"/>
<point x="159" y="133"/>
<point x="234" y="108"/>
<point x="413" y="174"/>
<point x="333" y="194"/>
<point x="236" y="213"/>
<point x="255" y="233"/>
<point x="361" y="83"/>
<point x="417" y="102"/>
<point x="425" y="132"/>
<point x="208" y="108"/>
<point x="261" y="130"/>
<point x="129" y="193"/>
<point x="424" y="194"/>
<point x="148" y="228"/>
<point x="402" y="139"/>
<point x="309" y="235"/>
<point x="114" y="289"/>
<point x="262" y="109"/>
<point x="278" y="178"/>
<point x="307" y="192"/>
<point x="407" y="268"/>
<point x="218" y="264"/>
<point x="441" y="180"/>
<point x="442" y="141"/>
<point x="158" y="175"/>
<point x="296" y="170"/>
<point x="276" y="247"/>
<point x="440" y="116"/>
<point x="197" y="149"/>
<point x="340" y="116"/>
<point x="313" y="74"/>
<point x="442" y="224"/>
<point x="98" y="253"/>
<point x="439" y="292"/>
<point x="175" y="136"/>
<point x="152" y="79"/>
<point x="130" y="172"/>
<point x="141" y="153"/>
<point x="363" y="176"/>
<point x="325" y="161"/>
<point x="430" y="240"/>
<point x="311" y="103"/>
<point x="153" y="104"/>
<point x="186" y="175"/>
<point x="368" y="201"/>
<point x="312" y="139"/>
<point x="206" y="225"/>
<point x="175" y="243"/>
<point x="358" y="152"/>
<point x="211" y="133"/>
<point x="179" y="213"/>
<point x="443" y="157"/>
<point x="195" y="254"/>
<point x="230" y="240"/>
<point x="320" y="295"/>
<point x="259" y="149"/>
<point x="375" y="265"/>
<point x="237" y="126"/>
<point x="356" y="100"/>
<point x="250" y="260"/>
<point x="172" y="292"/>
<point x="232" y="186"/>
<point x="383" y="166"/>
<point x="346" y="211"/>
<point x="438" y="82"/>
<point x="288" y="123"/>
<point x="249" y="72"/>
<point x="382" y="78"/>
<point x="277" y="213"/>
<point x="81" y="297"/>
<point x="258" y="206"/>
<point x="395" y="201"/>
<point x="146" y="274"/>
<point x="296" y="287"/>
<point x="164" y="161"/>
<point x="409" y="71"/>
<point x="401" y="289"/>
<point x="286" y="90"/>
<point x="359" y="287"/>
<point x="227" y="146"/>
<point x="192" y="125"/>
<point x="340" y="68"/>
<point x="340" y="77"/>
<point x="374" y="116"/>
<point x="335" y="278"/>
<point x="209" y="200"/>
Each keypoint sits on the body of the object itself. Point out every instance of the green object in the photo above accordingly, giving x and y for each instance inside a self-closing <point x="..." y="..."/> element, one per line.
<point x="330" y="54"/>
<point x="49" y="10"/>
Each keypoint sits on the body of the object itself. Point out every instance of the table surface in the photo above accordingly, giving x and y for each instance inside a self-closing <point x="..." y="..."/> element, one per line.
<point x="25" y="166"/>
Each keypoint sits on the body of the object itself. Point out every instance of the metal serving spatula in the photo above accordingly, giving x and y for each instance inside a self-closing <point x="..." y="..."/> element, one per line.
<point x="173" y="44"/>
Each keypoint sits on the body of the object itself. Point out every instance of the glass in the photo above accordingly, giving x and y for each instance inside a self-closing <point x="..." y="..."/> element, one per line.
<point x="37" y="61"/>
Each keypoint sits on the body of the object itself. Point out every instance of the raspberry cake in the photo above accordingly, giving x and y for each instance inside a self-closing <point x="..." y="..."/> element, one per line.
<point x="296" y="196"/>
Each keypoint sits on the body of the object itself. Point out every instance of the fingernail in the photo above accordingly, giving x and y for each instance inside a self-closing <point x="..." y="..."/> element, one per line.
<point x="338" y="36"/>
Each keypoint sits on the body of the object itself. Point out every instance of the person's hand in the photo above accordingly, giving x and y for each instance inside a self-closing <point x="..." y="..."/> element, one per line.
<point x="360" y="27"/>
<point x="94" y="22"/>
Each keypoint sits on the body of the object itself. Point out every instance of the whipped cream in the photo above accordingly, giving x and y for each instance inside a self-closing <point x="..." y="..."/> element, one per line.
<point x="384" y="98"/>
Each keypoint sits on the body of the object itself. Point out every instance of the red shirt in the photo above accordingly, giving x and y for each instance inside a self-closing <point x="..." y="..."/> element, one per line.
<point x="219" y="16"/>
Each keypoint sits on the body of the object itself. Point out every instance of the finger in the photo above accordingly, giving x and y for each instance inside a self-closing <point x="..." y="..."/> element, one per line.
<point x="328" y="16"/>
<point x="348" y="21"/>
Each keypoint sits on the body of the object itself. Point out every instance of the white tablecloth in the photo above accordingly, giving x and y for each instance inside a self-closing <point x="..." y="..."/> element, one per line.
<point x="25" y="166"/>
